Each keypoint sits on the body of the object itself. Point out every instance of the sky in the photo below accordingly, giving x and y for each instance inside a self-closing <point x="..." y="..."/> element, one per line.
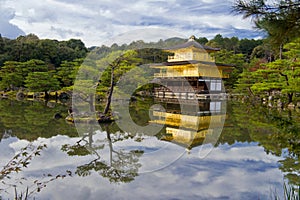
<point x="96" y="22"/>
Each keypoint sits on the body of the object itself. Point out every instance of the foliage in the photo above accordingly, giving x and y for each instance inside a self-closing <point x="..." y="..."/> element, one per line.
<point x="18" y="163"/>
<point x="280" y="19"/>
<point x="13" y="74"/>
<point x="41" y="81"/>
<point x="67" y="72"/>
<point x="52" y="52"/>
<point x="244" y="46"/>
<point x="64" y="60"/>
<point x="21" y="160"/>
<point x="117" y="64"/>
<point x="281" y="75"/>
<point x="234" y="59"/>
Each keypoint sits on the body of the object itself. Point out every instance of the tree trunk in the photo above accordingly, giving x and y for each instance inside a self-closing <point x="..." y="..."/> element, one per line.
<point x="290" y="96"/>
<point x="91" y="102"/>
<point x="46" y="95"/>
<point x="280" y="51"/>
<point x="110" y="144"/>
<point x="111" y="89"/>
<point x="250" y="91"/>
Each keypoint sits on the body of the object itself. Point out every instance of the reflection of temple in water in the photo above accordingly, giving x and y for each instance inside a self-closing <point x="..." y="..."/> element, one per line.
<point x="188" y="124"/>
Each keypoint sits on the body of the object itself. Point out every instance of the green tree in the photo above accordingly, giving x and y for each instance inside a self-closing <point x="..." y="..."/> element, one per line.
<point x="49" y="52"/>
<point x="67" y="72"/>
<point x="263" y="51"/>
<point x="280" y="19"/>
<point x="237" y="60"/>
<point x="41" y="82"/>
<point x="246" y="46"/>
<point x="117" y="63"/>
<point x="84" y="88"/>
<point x="34" y="66"/>
<point x="231" y="44"/>
<point x="267" y="81"/>
<point x="11" y="75"/>
<point x="2" y="44"/>
<point x="281" y="75"/>
<point x="244" y="83"/>
<point x="202" y="40"/>
<point x="216" y="42"/>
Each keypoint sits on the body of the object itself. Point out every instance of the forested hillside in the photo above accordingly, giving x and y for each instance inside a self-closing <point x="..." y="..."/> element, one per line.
<point x="43" y="65"/>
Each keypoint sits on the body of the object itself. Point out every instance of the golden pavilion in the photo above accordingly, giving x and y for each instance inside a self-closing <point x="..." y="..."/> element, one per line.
<point x="190" y="72"/>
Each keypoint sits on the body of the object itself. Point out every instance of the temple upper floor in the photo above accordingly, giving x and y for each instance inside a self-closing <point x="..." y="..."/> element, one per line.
<point x="191" y="54"/>
<point x="191" y="50"/>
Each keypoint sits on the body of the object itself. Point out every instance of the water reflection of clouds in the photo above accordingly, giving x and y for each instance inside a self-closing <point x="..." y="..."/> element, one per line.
<point x="7" y="151"/>
<point x="228" y="172"/>
<point x="157" y="154"/>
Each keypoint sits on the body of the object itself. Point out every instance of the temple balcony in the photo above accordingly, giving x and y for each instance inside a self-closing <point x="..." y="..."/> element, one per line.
<point x="177" y="58"/>
<point x="170" y="75"/>
<point x="186" y="57"/>
<point x="173" y="75"/>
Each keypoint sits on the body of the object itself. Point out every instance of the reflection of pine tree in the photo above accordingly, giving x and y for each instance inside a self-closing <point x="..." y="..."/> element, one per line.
<point x="122" y="165"/>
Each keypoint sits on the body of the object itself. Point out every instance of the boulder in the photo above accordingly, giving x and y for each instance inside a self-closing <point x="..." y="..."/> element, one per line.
<point x="291" y="106"/>
<point x="58" y="116"/>
<point x="279" y="104"/>
<point x="20" y="96"/>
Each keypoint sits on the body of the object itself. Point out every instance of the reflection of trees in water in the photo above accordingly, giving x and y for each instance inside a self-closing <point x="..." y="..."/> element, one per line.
<point x="122" y="165"/>
<point x="30" y="120"/>
<point x="276" y="130"/>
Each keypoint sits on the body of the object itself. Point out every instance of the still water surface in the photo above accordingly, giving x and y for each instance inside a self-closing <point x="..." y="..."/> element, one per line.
<point x="256" y="152"/>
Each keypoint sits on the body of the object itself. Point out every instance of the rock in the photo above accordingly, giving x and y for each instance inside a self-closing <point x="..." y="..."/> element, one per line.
<point x="133" y="98"/>
<point x="57" y="116"/>
<point x="279" y="104"/>
<point x="270" y="105"/>
<point x="291" y="106"/>
<point x="270" y="98"/>
<point x="63" y="95"/>
<point x="51" y="104"/>
<point x="70" y="119"/>
<point x="4" y="96"/>
<point x="20" y="96"/>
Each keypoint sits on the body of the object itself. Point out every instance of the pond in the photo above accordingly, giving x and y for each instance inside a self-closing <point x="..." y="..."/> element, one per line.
<point x="164" y="151"/>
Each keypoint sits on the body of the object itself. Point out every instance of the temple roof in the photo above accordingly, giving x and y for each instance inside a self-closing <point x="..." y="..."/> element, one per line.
<point x="193" y="43"/>
<point x="185" y="62"/>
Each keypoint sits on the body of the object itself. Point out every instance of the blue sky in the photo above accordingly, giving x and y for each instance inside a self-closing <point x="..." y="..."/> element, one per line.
<point x="96" y="21"/>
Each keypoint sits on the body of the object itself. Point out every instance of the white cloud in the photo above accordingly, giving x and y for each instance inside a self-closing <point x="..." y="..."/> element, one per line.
<point x="8" y="29"/>
<point x="96" y="21"/>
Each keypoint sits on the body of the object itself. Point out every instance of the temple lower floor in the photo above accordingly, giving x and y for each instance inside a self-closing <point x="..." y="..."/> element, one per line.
<point x="190" y="88"/>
